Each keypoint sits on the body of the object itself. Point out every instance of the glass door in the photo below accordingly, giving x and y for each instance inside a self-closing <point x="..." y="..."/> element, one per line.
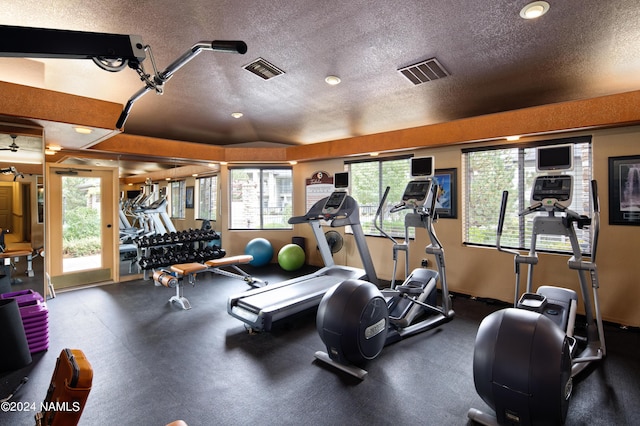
<point x="80" y="225"/>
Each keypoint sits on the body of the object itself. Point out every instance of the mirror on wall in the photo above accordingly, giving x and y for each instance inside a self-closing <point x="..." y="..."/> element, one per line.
<point x="143" y="183"/>
<point x="21" y="207"/>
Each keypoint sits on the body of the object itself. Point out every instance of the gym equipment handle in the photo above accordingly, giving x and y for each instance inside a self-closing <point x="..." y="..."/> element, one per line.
<point x="231" y="46"/>
<point x="503" y="210"/>
<point x="594" y="195"/>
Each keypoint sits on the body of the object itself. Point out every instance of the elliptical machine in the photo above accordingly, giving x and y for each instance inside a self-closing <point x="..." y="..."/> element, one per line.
<point x="356" y="320"/>
<point x="525" y="357"/>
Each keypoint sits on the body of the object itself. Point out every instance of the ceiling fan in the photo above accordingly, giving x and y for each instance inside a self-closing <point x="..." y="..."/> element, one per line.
<point x="13" y="147"/>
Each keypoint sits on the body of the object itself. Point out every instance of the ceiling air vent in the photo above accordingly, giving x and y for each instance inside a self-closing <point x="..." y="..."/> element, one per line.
<point x="424" y="71"/>
<point x="263" y="69"/>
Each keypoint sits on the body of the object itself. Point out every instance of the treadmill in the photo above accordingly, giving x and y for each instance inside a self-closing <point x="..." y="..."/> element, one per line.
<point x="260" y="307"/>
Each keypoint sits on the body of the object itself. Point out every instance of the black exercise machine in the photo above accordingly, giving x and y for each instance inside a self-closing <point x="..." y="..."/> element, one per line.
<point x="356" y="320"/>
<point x="525" y="357"/>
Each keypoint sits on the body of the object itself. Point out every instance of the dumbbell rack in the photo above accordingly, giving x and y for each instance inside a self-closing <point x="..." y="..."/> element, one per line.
<point x="163" y="250"/>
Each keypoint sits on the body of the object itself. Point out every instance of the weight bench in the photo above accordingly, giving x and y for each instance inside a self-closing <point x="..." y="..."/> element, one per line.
<point x="177" y="274"/>
<point x="215" y="266"/>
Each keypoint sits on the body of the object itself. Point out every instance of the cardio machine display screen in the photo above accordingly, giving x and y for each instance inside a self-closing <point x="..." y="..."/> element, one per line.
<point x="552" y="187"/>
<point x="416" y="190"/>
<point x="334" y="202"/>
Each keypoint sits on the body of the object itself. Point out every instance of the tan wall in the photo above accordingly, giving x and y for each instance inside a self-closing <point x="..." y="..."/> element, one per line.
<point x="484" y="272"/>
<point x="476" y="271"/>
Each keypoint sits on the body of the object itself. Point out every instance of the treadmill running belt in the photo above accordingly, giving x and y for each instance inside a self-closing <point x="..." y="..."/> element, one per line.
<point x="292" y="294"/>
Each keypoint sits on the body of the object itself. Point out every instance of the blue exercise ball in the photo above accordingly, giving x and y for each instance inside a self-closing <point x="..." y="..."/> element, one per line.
<point x="291" y="257"/>
<point x="261" y="250"/>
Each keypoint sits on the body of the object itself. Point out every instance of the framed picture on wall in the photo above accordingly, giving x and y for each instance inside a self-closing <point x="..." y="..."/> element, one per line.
<point x="624" y="190"/>
<point x="446" y="205"/>
<point x="189" y="197"/>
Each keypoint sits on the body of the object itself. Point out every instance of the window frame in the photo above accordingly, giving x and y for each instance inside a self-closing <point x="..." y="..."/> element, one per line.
<point x="261" y="197"/>
<point x="521" y="200"/>
<point x="214" y="187"/>
<point x="368" y="228"/>
<point x="180" y="203"/>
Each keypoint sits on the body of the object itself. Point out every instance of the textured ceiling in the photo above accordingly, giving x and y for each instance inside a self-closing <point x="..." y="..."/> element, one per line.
<point x="496" y="61"/>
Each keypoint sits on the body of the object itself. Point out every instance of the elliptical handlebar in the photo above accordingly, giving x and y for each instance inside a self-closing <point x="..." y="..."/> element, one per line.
<point x="432" y="208"/>
<point x="595" y="219"/>
<point x="398" y="207"/>
<point x="379" y="216"/>
<point x="503" y="211"/>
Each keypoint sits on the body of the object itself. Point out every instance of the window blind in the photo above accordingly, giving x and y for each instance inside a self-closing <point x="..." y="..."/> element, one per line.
<point x="490" y="171"/>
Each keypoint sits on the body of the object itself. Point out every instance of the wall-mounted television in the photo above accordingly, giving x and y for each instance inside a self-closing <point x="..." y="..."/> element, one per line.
<point x="341" y="180"/>
<point x="422" y="167"/>
<point x="554" y="158"/>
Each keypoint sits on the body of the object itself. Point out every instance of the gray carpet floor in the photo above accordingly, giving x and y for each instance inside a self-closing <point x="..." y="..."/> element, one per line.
<point x="154" y="363"/>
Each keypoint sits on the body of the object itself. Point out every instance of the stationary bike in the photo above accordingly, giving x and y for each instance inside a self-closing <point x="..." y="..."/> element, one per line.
<point x="356" y="320"/>
<point x="525" y="357"/>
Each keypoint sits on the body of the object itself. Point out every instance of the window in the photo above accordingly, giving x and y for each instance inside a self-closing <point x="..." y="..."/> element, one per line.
<point x="369" y="179"/>
<point x="207" y="197"/>
<point x="178" y="198"/>
<point x="490" y="171"/>
<point x="260" y="198"/>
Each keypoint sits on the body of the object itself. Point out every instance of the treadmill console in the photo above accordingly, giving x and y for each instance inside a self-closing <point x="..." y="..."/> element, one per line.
<point x="550" y="190"/>
<point x="334" y="203"/>
<point x="416" y="194"/>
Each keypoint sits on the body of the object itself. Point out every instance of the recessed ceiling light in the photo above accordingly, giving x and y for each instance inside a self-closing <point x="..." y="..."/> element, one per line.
<point x="513" y="138"/>
<point x="332" y="80"/>
<point x="293" y="162"/>
<point x="83" y="130"/>
<point x="534" y="10"/>
<point x="236" y="114"/>
<point x="373" y="154"/>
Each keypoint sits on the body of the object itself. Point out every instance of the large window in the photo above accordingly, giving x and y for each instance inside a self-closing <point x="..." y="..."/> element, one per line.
<point x="369" y="179"/>
<point x="490" y="171"/>
<point x="177" y="198"/>
<point x="207" y="202"/>
<point x="260" y="198"/>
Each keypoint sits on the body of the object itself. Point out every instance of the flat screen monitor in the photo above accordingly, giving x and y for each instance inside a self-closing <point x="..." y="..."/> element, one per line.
<point x="557" y="157"/>
<point x="422" y="167"/>
<point x="341" y="180"/>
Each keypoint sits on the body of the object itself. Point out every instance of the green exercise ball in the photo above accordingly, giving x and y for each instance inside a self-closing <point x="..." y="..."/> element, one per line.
<point x="291" y="257"/>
